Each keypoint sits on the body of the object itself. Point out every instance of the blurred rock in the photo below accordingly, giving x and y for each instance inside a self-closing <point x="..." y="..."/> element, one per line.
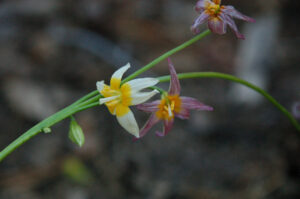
<point x="36" y="100"/>
<point x="255" y="58"/>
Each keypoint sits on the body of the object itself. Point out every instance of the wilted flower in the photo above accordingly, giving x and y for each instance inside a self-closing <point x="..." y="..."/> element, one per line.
<point x="171" y="105"/>
<point x="119" y="97"/>
<point x="218" y="17"/>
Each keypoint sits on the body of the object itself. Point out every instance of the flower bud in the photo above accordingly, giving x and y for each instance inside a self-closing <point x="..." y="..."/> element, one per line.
<point x="75" y="133"/>
<point x="47" y="130"/>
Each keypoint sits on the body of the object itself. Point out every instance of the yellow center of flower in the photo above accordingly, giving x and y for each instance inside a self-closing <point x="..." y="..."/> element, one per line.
<point x="213" y="9"/>
<point x="168" y="107"/>
<point x="117" y="98"/>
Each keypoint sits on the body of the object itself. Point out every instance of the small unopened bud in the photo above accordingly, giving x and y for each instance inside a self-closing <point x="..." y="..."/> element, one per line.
<point x="47" y="130"/>
<point x="296" y="110"/>
<point x="75" y="133"/>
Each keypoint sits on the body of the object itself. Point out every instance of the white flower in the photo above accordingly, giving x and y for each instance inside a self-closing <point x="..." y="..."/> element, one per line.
<point x="119" y="97"/>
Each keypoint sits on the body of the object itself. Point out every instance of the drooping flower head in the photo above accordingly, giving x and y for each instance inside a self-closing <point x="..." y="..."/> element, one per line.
<point x="118" y="97"/>
<point x="218" y="17"/>
<point x="170" y="105"/>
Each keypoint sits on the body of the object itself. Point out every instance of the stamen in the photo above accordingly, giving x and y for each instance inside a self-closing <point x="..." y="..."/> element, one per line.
<point x="113" y="102"/>
<point x="172" y="105"/>
<point x="170" y="110"/>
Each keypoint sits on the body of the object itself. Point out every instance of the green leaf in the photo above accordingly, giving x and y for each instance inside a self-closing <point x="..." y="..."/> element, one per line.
<point x="75" y="133"/>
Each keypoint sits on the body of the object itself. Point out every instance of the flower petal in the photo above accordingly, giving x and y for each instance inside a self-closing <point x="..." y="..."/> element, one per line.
<point x="231" y="11"/>
<point x="129" y="123"/>
<point x="174" y="83"/>
<point x="192" y="103"/>
<point x="201" y="5"/>
<point x="107" y="99"/>
<point x="216" y="25"/>
<point x="183" y="114"/>
<point x="168" y="124"/>
<point x="200" y="20"/>
<point x="119" y="73"/>
<point x="141" y="83"/>
<point x="149" y="107"/>
<point x="151" y="122"/>
<point x="141" y="97"/>
<point x="100" y="85"/>
<point x="229" y="21"/>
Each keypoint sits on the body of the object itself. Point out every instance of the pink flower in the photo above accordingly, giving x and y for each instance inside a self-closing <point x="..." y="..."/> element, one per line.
<point x="170" y="106"/>
<point x="218" y="17"/>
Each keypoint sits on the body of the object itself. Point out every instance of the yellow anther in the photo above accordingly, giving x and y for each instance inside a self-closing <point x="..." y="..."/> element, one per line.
<point x="172" y="105"/>
<point x="213" y="9"/>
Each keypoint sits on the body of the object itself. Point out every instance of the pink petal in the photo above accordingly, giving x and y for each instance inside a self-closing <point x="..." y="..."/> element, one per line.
<point x="216" y="25"/>
<point x="192" y="103"/>
<point x="149" y="107"/>
<point x="174" y="83"/>
<point x="231" y="11"/>
<point x="229" y="21"/>
<point x="200" y="20"/>
<point x="168" y="124"/>
<point x="183" y="114"/>
<point x="201" y="5"/>
<point x="151" y="122"/>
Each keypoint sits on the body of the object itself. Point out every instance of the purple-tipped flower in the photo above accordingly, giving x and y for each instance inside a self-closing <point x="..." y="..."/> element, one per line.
<point x="171" y="105"/>
<point x="218" y="17"/>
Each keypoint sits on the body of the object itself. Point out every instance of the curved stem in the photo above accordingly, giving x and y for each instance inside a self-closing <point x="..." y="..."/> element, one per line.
<point x="48" y="122"/>
<point x="90" y="100"/>
<point x="166" y="55"/>
<point x="240" y="81"/>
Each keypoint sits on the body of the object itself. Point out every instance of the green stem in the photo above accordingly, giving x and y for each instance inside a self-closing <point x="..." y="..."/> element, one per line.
<point x="240" y="81"/>
<point x="82" y="108"/>
<point x="91" y="100"/>
<point x="48" y="122"/>
<point x="86" y="97"/>
<point x="166" y="55"/>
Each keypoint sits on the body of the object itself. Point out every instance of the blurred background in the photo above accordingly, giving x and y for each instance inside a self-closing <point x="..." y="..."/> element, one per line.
<point x="53" y="51"/>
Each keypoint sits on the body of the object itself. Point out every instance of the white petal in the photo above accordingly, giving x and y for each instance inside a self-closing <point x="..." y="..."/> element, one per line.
<point x="141" y="97"/>
<point x="119" y="73"/>
<point x="100" y="85"/>
<point x="141" y="83"/>
<point x="129" y="123"/>
<point x="107" y="99"/>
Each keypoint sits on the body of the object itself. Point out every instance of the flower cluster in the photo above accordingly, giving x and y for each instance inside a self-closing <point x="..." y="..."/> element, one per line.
<point x="218" y="17"/>
<point x="118" y="97"/>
